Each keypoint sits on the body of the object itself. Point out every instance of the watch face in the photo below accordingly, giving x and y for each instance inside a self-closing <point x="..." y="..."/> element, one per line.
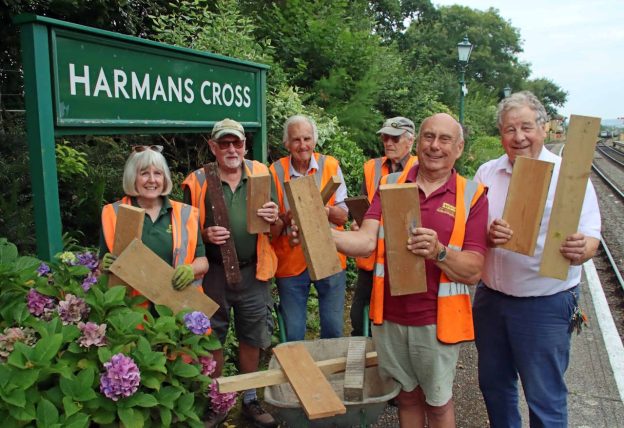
<point x="442" y="254"/>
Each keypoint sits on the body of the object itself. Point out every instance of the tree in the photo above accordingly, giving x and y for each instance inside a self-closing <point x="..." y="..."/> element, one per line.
<point x="549" y="93"/>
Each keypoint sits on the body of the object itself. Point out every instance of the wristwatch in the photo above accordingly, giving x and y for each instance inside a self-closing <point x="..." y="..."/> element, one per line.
<point x="441" y="255"/>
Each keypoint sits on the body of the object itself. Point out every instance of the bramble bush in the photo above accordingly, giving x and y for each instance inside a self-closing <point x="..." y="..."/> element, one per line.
<point x="72" y="353"/>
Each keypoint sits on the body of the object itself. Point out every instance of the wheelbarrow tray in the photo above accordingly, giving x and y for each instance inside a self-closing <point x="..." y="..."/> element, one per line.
<point x="377" y="390"/>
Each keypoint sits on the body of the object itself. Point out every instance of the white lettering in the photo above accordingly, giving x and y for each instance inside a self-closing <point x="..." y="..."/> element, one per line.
<point x="102" y="85"/>
<point x="73" y="79"/>
<point x="188" y="88"/>
<point x="120" y="79"/>
<point x="239" y="97"/>
<point x="228" y="99"/>
<point x="159" y="90"/>
<point x="247" y="101"/>
<point x="205" y="100"/>
<point x="216" y="93"/>
<point x="175" y="88"/>
<point x="140" y="88"/>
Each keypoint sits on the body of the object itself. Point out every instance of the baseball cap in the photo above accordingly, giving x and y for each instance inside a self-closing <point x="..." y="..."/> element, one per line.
<point x="397" y="126"/>
<point x="228" y="127"/>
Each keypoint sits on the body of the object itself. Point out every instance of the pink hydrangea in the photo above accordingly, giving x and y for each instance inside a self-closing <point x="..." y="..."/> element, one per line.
<point x="208" y="365"/>
<point x="92" y="334"/>
<point x="73" y="309"/>
<point x="220" y="402"/>
<point x="38" y="304"/>
<point x="121" y="378"/>
<point x="11" y="335"/>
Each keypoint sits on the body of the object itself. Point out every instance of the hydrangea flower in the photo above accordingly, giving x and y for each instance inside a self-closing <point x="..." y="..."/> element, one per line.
<point x="43" y="269"/>
<point x="11" y="335"/>
<point x="88" y="282"/>
<point x="121" y="378"/>
<point x="92" y="334"/>
<point x="220" y="402"/>
<point x="68" y="258"/>
<point x="38" y="304"/>
<point x="87" y="259"/>
<point x="73" y="309"/>
<point x="208" y="364"/>
<point x="197" y="322"/>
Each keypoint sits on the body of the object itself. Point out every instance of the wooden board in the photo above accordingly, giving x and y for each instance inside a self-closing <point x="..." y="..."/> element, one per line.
<point x="354" y="372"/>
<point x="309" y="213"/>
<point x="220" y="214"/>
<point x="330" y="188"/>
<point x="143" y="270"/>
<point x="526" y="199"/>
<point x="571" y="185"/>
<point x="258" y="194"/>
<point x="129" y="226"/>
<point x="276" y="376"/>
<point x="316" y="395"/>
<point x="400" y="206"/>
<point x="358" y="205"/>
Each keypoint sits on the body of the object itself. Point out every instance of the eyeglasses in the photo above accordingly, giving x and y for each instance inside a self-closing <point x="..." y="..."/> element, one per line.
<point x="139" y="149"/>
<point x="224" y="145"/>
<point x="394" y="138"/>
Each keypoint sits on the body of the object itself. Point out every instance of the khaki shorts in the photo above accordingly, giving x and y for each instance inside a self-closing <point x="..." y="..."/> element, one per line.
<point x="413" y="356"/>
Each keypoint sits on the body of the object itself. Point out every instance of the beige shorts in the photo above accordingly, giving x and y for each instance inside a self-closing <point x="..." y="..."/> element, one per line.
<point x="413" y="356"/>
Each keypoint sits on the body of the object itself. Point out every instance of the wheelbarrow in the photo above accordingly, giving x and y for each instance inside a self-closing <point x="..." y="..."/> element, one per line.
<point x="377" y="391"/>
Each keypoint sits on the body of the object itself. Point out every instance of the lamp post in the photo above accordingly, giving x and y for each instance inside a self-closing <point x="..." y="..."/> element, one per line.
<point x="464" y="48"/>
<point x="507" y="90"/>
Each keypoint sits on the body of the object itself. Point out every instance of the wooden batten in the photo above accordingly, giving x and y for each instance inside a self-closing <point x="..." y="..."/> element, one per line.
<point x="330" y="188"/>
<point x="358" y="205"/>
<point x="258" y="194"/>
<point x="129" y="226"/>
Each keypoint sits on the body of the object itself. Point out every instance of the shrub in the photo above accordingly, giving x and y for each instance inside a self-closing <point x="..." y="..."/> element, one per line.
<point x="72" y="353"/>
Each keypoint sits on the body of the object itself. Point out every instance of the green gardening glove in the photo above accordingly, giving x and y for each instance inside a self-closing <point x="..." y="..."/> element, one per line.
<point x="107" y="261"/>
<point x="182" y="277"/>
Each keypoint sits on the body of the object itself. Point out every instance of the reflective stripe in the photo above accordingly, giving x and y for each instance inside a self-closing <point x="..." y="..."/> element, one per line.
<point x="318" y="175"/>
<point x="469" y="192"/>
<point x="379" y="270"/>
<point x="377" y="174"/>
<point x="454" y="247"/>
<point x="279" y="170"/>
<point x="448" y="289"/>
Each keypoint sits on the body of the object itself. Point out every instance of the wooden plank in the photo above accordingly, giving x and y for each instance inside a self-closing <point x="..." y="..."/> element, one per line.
<point x="358" y="205"/>
<point x="571" y="185"/>
<point x="129" y="226"/>
<point x="143" y="270"/>
<point x="526" y="199"/>
<point x="400" y="206"/>
<point x="220" y="215"/>
<point x="258" y="194"/>
<point x="330" y="188"/>
<point x="354" y="372"/>
<point x="317" y="397"/>
<point x="276" y="376"/>
<point x="309" y="213"/>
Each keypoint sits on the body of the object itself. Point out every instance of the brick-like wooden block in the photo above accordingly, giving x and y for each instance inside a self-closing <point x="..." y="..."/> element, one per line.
<point x="526" y="199"/>
<point x="258" y="194"/>
<point x="400" y="206"/>
<point x="355" y="368"/>
<point x="358" y="205"/>
<point x="129" y="226"/>
<point x="330" y="188"/>
<point x="309" y="213"/>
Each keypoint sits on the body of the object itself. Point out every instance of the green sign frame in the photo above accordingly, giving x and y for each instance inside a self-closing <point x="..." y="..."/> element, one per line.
<point x="81" y="80"/>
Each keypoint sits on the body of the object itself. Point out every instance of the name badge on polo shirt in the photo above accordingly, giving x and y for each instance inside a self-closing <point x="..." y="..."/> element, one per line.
<point x="447" y="209"/>
<point x="170" y="229"/>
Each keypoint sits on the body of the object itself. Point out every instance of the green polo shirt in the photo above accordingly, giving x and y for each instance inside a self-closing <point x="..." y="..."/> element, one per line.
<point x="236" y="203"/>
<point x="157" y="235"/>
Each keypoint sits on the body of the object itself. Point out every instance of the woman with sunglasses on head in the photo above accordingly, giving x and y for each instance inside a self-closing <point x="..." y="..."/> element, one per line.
<point x="170" y="229"/>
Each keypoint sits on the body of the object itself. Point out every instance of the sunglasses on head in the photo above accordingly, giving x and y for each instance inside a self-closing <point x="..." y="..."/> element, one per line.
<point x="139" y="149"/>
<point x="224" y="145"/>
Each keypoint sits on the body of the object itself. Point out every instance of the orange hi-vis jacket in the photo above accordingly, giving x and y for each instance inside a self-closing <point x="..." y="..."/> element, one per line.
<point x="374" y="169"/>
<point x="454" y="321"/>
<point x="184" y="224"/>
<point x="196" y="182"/>
<point x="291" y="261"/>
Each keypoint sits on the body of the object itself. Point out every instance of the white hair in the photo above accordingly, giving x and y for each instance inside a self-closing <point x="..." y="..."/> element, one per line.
<point x="139" y="161"/>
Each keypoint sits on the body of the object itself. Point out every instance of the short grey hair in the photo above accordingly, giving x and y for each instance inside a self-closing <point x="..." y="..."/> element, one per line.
<point x="138" y="161"/>
<point x="460" y="128"/>
<point x="519" y="100"/>
<point x="300" y="118"/>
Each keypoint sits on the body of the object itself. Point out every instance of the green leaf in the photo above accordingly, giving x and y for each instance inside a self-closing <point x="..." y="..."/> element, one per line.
<point x="26" y="263"/>
<point x="79" y="420"/>
<point x="70" y="406"/>
<point x="114" y="296"/>
<point x="181" y="369"/>
<point x="168" y="395"/>
<point x="151" y="381"/>
<point x="8" y="251"/>
<point x="26" y="413"/>
<point x="165" y="324"/>
<point x="24" y="379"/>
<point x="141" y="399"/>
<point x="164" y="311"/>
<point x="17" y="358"/>
<point x="104" y="354"/>
<point x="143" y="346"/>
<point x="131" y="418"/>
<point x="103" y="416"/>
<point x="47" y="414"/>
<point x="211" y="342"/>
<point x="17" y="397"/>
<point x="47" y="348"/>
<point x="185" y="403"/>
<point x="125" y="322"/>
<point x="165" y="417"/>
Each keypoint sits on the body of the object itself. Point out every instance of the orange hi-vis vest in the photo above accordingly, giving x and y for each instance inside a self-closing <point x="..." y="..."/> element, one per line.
<point x="196" y="182"/>
<point x="374" y="169"/>
<point x="454" y="320"/>
<point x="291" y="261"/>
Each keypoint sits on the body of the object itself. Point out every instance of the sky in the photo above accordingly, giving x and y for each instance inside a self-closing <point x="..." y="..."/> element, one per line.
<point x="578" y="44"/>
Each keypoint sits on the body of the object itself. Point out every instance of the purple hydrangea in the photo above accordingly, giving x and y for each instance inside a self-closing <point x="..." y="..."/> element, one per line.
<point x="121" y="378"/>
<point x="92" y="334"/>
<point x="73" y="309"/>
<point x="220" y="402"/>
<point x="88" y="282"/>
<point x="87" y="259"/>
<point x="38" y="304"/>
<point x="208" y="365"/>
<point x="197" y="322"/>
<point x="43" y="269"/>
<point x="10" y="335"/>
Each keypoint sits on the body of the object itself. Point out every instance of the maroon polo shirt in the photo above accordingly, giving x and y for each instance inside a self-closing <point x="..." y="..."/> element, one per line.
<point x="421" y="309"/>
